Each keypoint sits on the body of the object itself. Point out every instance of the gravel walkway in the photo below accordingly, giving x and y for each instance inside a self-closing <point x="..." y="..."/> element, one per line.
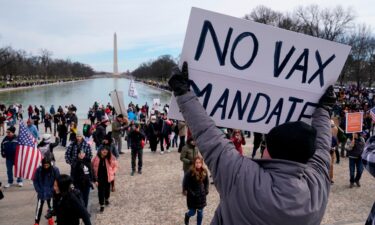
<point x="155" y="198"/>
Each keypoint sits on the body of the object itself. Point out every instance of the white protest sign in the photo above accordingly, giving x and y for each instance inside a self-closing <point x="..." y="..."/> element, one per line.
<point x="253" y="76"/>
<point x="117" y="98"/>
<point x="155" y="103"/>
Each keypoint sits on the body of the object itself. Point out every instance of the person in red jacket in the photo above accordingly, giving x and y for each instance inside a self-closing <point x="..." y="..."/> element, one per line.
<point x="238" y="140"/>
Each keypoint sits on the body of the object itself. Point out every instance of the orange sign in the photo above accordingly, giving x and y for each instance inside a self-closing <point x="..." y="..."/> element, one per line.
<point x="354" y="122"/>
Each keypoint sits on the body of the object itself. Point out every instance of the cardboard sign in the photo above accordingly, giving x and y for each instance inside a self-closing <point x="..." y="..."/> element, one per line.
<point x="117" y="98"/>
<point x="354" y="122"/>
<point x="253" y="76"/>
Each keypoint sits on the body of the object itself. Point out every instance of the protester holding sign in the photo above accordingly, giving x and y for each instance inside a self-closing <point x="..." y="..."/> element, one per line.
<point x="291" y="181"/>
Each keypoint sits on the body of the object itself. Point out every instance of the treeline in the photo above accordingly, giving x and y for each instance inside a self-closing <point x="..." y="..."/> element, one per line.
<point x="18" y="65"/>
<point x="159" y="69"/>
<point x="334" y="24"/>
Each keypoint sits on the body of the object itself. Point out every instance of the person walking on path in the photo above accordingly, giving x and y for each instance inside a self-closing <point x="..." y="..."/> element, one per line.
<point x="30" y="111"/>
<point x="104" y="168"/>
<point x="258" y="142"/>
<point x="8" y="151"/>
<point x="165" y="132"/>
<point x="82" y="176"/>
<point x="296" y="154"/>
<point x="33" y="129"/>
<point x="368" y="160"/>
<point x="188" y="153"/>
<point x="100" y="132"/>
<point x="44" y="178"/>
<point x="69" y="208"/>
<point x="355" y="161"/>
<point x="42" y="113"/>
<point x="152" y="132"/>
<point x="196" y="188"/>
<point x="137" y="140"/>
<point x="48" y="122"/>
<point x="182" y="130"/>
<point x="76" y="147"/>
<point x="62" y="130"/>
<point x="108" y="144"/>
<point x="117" y="129"/>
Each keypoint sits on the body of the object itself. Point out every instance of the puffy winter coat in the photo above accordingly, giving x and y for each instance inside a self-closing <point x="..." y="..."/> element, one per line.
<point x="262" y="191"/>
<point x="188" y="153"/>
<point x="8" y="147"/>
<point x="196" y="191"/>
<point x="43" y="181"/>
<point x="111" y="166"/>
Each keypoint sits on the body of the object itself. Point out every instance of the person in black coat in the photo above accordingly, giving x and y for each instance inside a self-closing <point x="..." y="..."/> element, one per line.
<point x="195" y="187"/>
<point x="100" y="133"/>
<point x="69" y="206"/>
<point x="137" y="139"/>
<point x="152" y="132"/>
<point x="82" y="176"/>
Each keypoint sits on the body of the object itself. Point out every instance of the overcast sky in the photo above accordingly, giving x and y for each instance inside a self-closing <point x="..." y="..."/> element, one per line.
<point x="82" y="30"/>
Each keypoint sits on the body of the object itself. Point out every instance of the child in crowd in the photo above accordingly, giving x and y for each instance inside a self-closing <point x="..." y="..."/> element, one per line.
<point x="104" y="167"/>
<point x="195" y="187"/>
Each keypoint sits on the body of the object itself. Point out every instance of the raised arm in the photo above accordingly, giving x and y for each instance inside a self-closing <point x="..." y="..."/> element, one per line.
<point x="219" y="153"/>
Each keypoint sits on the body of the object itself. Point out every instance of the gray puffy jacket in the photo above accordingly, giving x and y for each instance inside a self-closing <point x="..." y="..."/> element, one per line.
<point x="262" y="191"/>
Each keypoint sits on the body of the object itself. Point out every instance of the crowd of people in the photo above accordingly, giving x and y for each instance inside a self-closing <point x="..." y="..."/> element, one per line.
<point x="139" y="126"/>
<point x="17" y="84"/>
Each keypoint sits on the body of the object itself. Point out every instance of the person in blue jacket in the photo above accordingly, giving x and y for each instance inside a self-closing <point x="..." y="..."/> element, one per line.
<point x="43" y="181"/>
<point x="8" y="151"/>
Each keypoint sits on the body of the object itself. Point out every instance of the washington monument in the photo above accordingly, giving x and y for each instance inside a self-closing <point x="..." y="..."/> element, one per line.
<point x="115" y="65"/>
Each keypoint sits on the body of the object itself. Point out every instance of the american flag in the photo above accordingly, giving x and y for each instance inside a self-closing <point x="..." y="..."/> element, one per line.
<point x="372" y="113"/>
<point x="28" y="156"/>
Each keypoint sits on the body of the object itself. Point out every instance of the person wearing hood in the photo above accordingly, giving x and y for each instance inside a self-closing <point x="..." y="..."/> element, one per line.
<point x="44" y="178"/>
<point x="104" y="167"/>
<point x="69" y="207"/>
<point x="188" y="154"/>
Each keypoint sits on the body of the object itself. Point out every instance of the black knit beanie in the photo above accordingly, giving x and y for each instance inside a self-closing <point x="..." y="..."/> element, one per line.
<point x="294" y="141"/>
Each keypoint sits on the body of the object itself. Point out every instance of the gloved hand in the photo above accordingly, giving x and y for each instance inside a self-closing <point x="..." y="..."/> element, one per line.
<point x="328" y="99"/>
<point x="179" y="81"/>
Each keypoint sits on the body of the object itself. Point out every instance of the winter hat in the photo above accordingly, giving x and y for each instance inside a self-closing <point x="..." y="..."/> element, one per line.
<point x="294" y="141"/>
<point x="79" y="133"/>
<point x="46" y="160"/>
<point x="368" y="156"/>
<point x="12" y="129"/>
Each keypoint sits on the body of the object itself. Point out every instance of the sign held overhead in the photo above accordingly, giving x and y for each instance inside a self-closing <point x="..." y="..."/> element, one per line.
<point x="253" y="76"/>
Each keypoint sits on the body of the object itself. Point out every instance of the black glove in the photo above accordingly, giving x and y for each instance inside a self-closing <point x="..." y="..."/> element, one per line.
<point x="179" y="81"/>
<point x="328" y="99"/>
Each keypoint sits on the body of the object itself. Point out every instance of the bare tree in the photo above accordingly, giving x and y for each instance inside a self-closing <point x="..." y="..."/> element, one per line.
<point x="325" y="23"/>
